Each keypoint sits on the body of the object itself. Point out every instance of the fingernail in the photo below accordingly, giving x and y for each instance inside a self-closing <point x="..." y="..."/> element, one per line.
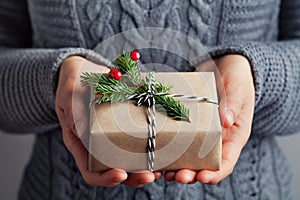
<point x="229" y="117"/>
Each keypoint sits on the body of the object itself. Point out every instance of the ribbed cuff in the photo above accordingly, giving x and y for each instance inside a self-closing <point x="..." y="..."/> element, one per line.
<point x="60" y="54"/>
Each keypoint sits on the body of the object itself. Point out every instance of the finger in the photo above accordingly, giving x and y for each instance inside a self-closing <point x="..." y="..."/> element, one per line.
<point x="73" y="100"/>
<point x="233" y="142"/>
<point x="182" y="176"/>
<point x="139" y="179"/>
<point x="237" y="86"/>
<point x="185" y="176"/>
<point x="230" y="97"/>
<point x="80" y="154"/>
<point x="157" y="175"/>
<point x="229" y="158"/>
<point x="170" y="176"/>
<point x="69" y="96"/>
<point x="110" y="178"/>
<point x="78" y="117"/>
<point x="231" y="104"/>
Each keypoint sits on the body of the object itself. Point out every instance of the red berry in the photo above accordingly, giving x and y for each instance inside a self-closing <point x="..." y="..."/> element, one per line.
<point x="135" y="55"/>
<point x="115" y="74"/>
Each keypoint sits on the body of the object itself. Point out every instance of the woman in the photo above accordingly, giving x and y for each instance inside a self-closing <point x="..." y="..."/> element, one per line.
<point x="256" y="46"/>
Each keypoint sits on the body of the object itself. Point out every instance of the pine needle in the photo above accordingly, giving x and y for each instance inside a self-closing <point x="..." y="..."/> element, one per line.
<point x="132" y="83"/>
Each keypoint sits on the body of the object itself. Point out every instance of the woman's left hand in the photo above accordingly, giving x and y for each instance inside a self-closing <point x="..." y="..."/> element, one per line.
<point x="236" y="111"/>
<point x="72" y="112"/>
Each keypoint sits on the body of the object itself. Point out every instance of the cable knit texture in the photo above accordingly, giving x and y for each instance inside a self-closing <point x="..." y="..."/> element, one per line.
<point x="36" y="35"/>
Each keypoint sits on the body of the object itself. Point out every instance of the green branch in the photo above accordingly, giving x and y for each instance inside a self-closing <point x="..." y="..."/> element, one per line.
<point x="132" y="83"/>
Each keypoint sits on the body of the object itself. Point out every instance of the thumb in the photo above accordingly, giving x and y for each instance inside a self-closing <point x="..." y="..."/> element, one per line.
<point x="231" y="105"/>
<point x="80" y="119"/>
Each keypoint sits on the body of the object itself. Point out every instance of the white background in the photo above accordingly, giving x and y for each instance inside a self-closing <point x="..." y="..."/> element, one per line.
<point x="15" y="151"/>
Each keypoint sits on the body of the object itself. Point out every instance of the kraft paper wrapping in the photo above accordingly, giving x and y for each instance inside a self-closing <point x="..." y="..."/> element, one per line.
<point x="119" y="131"/>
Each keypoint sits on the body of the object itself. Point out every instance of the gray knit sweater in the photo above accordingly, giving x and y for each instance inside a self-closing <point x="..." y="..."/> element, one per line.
<point x="36" y="35"/>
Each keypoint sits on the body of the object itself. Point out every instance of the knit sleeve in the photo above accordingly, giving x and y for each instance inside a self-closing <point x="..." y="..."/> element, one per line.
<point x="276" y="71"/>
<point x="28" y="76"/>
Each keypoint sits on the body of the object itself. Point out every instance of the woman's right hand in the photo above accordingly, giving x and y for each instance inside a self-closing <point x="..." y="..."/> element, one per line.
<point x="237" y="98"/>
<point x="74" y="124"/>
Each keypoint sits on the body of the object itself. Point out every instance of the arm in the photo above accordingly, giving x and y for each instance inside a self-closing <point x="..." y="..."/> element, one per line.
<point x="276" y="71"/>
<point x="28" y="76"/>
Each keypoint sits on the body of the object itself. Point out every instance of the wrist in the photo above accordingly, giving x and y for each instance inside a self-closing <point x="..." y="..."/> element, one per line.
<point x="71" y="59"/>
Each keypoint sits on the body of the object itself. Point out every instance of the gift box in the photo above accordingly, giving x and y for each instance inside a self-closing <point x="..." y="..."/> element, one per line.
<point x="119" y="130"/>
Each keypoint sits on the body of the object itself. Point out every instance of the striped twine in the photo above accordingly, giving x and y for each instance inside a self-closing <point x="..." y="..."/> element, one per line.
<point x="151" y="122"/>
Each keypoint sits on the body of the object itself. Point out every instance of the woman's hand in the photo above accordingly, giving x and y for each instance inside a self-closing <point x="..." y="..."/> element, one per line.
<point x="237" y="93"/>
<point x="74" y="124"/>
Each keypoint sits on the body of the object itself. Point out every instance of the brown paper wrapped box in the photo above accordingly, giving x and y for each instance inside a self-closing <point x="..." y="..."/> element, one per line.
<point x="119" y="131"/>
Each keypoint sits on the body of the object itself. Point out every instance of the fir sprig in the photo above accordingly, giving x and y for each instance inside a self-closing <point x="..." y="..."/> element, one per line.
<point x="129" y="67"/>
<point x="92" y="79"/>
<point x="131" y="83"/>
<point x="173" y="108"/>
